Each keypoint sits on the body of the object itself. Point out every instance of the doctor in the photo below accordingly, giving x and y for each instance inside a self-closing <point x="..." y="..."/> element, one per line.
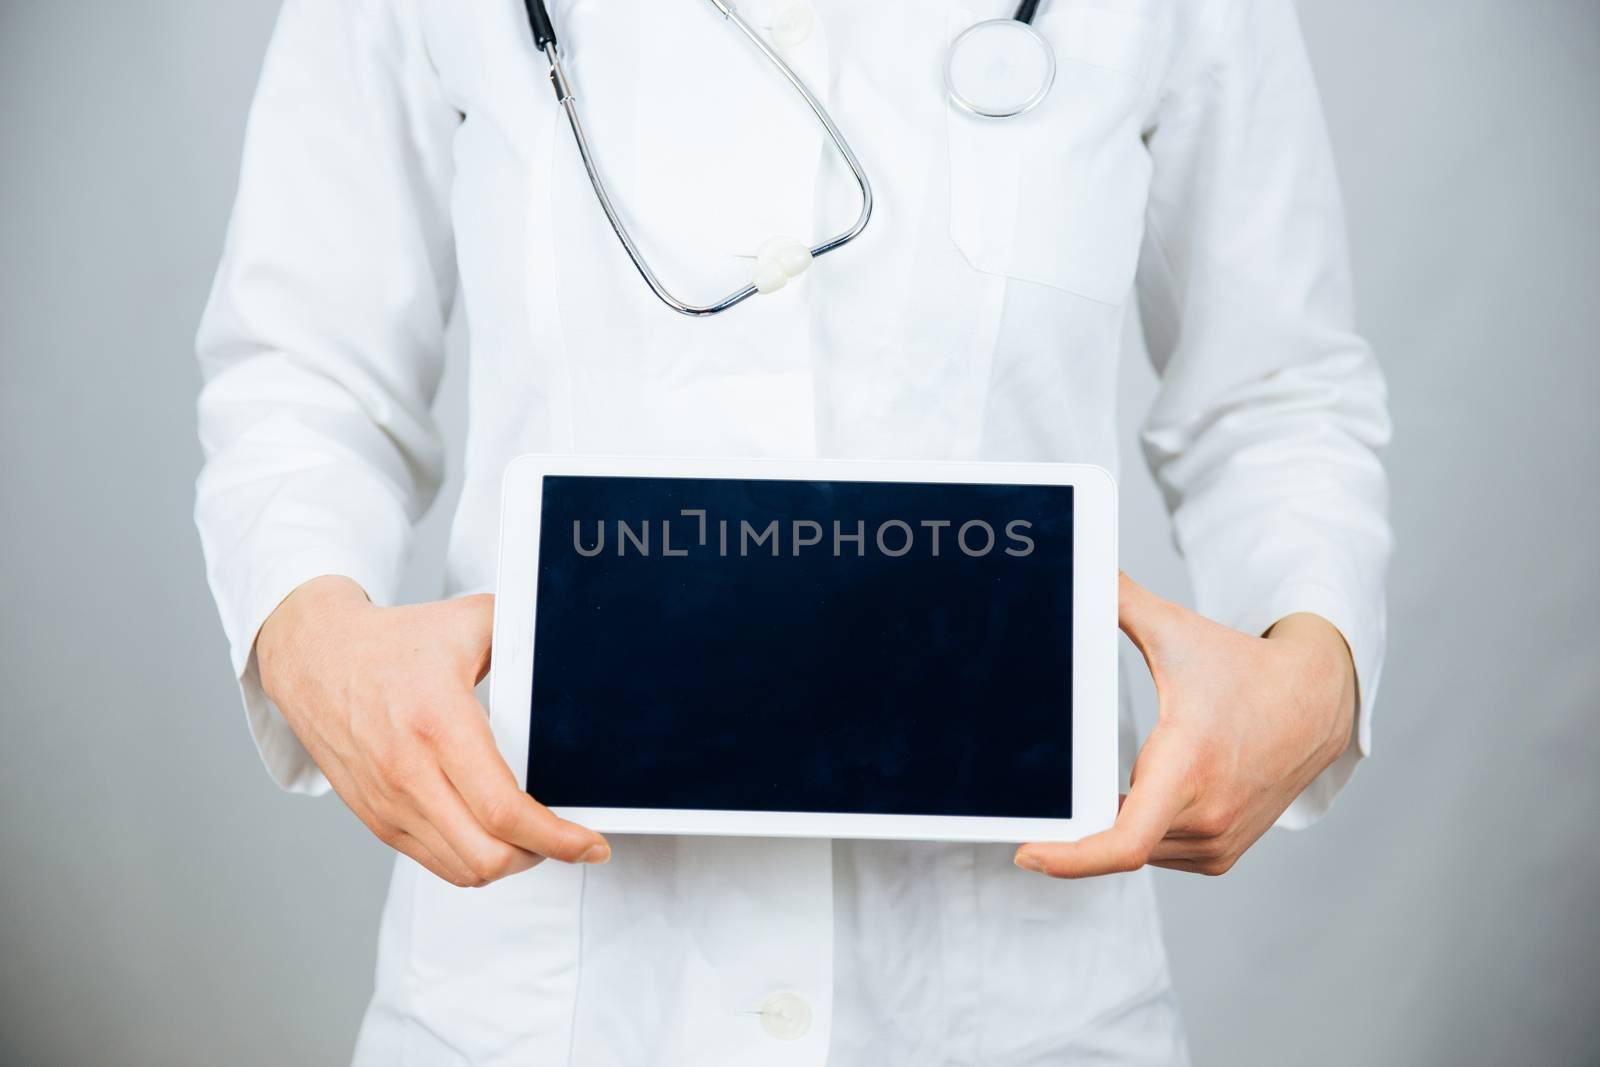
<point x="404" y="155"/>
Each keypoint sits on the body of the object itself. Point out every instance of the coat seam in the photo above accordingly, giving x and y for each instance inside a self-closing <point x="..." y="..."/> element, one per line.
<point x="577" y="977"/>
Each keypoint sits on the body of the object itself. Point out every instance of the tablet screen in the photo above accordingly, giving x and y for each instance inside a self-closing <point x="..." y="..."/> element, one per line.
<point x="815" y="646"/>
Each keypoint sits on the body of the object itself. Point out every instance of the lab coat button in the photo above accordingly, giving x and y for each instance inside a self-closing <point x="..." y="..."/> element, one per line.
<point x="793" y="25"/>
<point x="786" y="1016"/>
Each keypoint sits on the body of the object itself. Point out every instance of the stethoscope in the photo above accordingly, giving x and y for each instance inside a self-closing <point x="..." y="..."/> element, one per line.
<point x="995" y="69"/>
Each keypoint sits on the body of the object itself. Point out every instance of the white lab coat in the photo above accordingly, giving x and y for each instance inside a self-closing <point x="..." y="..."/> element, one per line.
<point x="403" y="152"/>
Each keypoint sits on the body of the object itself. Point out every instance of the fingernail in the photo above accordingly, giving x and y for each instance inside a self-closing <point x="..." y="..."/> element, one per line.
<point x="596" y="854"/>
<point x="1029" y="862"/>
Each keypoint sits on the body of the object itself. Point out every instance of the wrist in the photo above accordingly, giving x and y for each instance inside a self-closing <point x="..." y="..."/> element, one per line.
<point x="1329" y="669"/>
<point x="309" y="608"/>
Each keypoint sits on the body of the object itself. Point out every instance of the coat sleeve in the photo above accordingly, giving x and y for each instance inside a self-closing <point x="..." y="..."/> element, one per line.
<point x="1266" y="431"/>
<point x="321" y="346"/>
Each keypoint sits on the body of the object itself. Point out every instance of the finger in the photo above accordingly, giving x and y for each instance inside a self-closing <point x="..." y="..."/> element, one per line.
<point x="1210" y="868"/>
<point x="453" y="867"/>
<point x="1141" y="614"/>
<point x="451" y="872"/>
<point x="425" y="845"/>
<point x="1161" y="791"/>
<point x="486" y="856"/>
<point x="1200" y="823"/>
<point x="474" y="766"/>
<point x="1190" y="849"/>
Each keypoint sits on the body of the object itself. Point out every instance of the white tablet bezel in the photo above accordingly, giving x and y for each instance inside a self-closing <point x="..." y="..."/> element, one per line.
<point x="1094" y="627"/>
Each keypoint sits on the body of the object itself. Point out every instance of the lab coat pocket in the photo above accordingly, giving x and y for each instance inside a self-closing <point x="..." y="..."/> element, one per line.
<point x="492" y="973"/>
<point x="1056" y="196"/>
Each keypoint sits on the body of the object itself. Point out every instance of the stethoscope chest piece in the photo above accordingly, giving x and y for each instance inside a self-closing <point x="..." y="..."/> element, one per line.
<point x="999" y="68"/>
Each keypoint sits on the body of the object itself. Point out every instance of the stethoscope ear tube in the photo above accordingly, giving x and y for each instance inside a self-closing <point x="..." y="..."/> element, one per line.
<point x="544" y="32"/>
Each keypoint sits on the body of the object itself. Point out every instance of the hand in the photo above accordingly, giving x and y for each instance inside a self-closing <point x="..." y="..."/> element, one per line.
<point x="1245" y="724"/>
<point x="382" y="700"/>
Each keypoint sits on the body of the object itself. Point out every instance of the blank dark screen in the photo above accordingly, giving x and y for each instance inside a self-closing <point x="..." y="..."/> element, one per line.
<point x="885" y="648"/>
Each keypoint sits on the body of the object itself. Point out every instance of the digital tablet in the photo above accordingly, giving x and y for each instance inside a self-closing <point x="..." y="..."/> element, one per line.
<point x="813" y="648"/>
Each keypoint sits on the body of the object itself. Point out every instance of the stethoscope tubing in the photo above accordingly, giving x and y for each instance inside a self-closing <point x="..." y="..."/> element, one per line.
<point x="545" y="41"/>
<point x="544" y="37"/>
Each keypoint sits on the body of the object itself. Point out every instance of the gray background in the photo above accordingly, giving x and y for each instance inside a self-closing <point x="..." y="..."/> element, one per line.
<point x="161" y="903"/>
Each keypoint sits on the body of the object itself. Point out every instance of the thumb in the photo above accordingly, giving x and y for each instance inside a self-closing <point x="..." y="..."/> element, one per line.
<point x="1142" y="615"/>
